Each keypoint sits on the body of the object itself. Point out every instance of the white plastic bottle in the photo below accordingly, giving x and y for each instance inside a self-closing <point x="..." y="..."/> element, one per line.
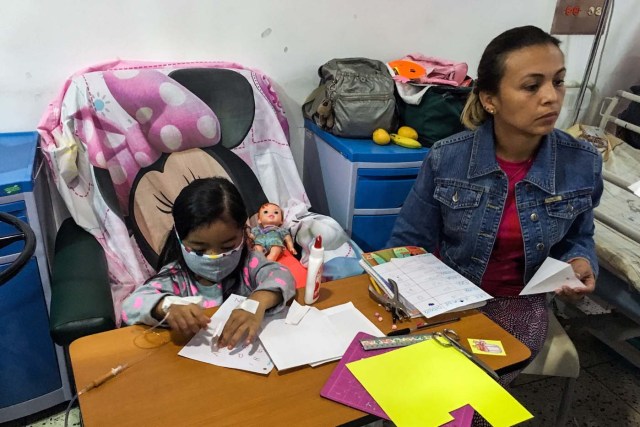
<point x="314" y="272"/>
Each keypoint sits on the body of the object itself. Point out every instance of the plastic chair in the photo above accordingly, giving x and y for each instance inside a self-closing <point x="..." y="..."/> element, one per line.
<point x="559" y="358"/>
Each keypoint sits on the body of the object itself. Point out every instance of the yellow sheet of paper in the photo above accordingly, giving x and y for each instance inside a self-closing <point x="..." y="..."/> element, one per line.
<point x="420" y="384"/>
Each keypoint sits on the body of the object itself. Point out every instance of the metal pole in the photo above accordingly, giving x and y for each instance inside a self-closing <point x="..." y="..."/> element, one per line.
<point x="592" y="56"/>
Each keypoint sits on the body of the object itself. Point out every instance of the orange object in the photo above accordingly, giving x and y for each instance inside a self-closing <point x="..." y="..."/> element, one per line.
<point x="408" y="69"/>
<point x="297" y="270"/>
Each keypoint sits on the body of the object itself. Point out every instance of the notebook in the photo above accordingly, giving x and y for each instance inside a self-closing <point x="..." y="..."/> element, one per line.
<point x="344" y="388"/>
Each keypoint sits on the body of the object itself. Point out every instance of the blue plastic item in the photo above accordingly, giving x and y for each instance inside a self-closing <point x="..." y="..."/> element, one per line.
<point x="16" y="162"/>
<point x="33" y="375"/>
<point x="365" y="150"/>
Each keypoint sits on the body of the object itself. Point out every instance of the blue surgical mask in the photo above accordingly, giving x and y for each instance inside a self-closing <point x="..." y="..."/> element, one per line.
<point x="212" y="267"/>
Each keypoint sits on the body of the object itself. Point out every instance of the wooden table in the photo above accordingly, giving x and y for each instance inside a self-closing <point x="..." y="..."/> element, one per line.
<point x="164" y="389"/>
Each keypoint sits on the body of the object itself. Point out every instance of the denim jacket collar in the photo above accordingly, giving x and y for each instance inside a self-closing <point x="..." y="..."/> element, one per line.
<point x="483" y="158"/>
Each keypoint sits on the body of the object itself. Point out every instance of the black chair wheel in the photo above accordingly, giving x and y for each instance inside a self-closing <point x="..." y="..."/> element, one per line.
<point x="24" y="233"/>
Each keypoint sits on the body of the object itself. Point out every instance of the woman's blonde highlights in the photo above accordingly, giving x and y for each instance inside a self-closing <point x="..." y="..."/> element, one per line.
<point x="473" y="115"/>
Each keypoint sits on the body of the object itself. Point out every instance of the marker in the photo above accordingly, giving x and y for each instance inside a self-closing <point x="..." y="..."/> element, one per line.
<point x="406" y="331"/>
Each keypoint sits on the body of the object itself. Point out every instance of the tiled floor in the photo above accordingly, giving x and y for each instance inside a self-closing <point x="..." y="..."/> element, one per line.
<point x="607" y="393"/>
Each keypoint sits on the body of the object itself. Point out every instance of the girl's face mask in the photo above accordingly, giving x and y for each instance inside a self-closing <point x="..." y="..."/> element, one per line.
<point x="212" y="267"/>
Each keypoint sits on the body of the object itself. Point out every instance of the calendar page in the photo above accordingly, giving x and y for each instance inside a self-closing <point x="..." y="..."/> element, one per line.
<point x="430" y="285"/>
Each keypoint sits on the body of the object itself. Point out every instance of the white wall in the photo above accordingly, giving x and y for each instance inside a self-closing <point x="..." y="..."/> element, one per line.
<point x="42" y="43"/>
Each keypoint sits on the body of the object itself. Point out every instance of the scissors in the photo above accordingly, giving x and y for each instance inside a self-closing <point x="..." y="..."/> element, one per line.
<point x="393" y="305"/>
<point x="449" y="338"/>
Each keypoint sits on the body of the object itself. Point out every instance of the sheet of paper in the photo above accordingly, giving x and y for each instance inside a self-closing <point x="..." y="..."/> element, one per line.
<point x="635" y="187"/>
<point x="430" y="285"/>
<point x="310" y="341"/>
<point x="420" y="384"/>
<point x="348" y="321"/>
<point x="551" y="275"/>
<point x="253" y="358"/>
<point x="296" y="313"/>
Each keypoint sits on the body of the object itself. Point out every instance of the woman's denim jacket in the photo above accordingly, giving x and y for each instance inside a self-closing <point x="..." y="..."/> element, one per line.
<point x="457" y="201"/>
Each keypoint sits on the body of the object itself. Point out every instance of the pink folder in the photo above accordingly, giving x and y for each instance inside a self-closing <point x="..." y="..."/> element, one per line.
<point x="344" y="388"/>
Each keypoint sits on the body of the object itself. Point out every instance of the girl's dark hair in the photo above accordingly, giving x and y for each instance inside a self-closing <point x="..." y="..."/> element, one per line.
<point x="199" y="204"/>
<point x="491" y="67"/>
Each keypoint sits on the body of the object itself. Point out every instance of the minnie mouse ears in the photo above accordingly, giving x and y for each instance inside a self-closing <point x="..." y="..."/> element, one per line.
<point x="228" y="94"/>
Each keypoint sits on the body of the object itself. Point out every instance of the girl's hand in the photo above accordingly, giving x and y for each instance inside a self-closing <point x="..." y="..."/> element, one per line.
<point x="241" y="325"/>
<point x="582" y="269"/>
<point x="187" y="319"/>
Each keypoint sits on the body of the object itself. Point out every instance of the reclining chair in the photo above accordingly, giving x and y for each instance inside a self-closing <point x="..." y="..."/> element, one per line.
<point x="81" y="302"/>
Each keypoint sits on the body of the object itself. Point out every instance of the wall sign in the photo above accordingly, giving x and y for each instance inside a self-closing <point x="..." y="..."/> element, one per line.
<point x="577" y="16"/>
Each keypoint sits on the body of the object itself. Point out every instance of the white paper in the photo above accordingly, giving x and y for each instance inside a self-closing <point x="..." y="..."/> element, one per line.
<point x="252" y="358"/>
<point x="635" y="187"/>
<point x="552" y="275"/>
<point x="348" y="321"/>
<point x="311" y="340"/>
<point x="296" y="313"/>
<point x="430" y="285"/>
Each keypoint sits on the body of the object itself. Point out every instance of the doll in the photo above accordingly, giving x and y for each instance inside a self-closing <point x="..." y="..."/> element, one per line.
<point x="269" y="236"/>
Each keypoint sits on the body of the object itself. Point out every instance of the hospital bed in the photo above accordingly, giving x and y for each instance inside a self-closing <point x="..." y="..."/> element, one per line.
<point x="617" y="239"/>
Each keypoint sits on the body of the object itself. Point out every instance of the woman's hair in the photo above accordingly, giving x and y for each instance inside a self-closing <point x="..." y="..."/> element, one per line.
<point x="491" y="67"/>
<point x="199" y="204"/>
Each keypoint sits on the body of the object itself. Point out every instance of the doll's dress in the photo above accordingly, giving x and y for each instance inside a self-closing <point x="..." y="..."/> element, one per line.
<point x="269" y="236"/>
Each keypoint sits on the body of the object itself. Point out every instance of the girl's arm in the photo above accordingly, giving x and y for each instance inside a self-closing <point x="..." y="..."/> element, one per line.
<point x="140" y="306"/>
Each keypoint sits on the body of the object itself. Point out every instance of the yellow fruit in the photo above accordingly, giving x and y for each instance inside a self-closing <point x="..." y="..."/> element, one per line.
<point x="381" y="137"/>
<point x="408" y="132"/>
<point x="403" y="141"/>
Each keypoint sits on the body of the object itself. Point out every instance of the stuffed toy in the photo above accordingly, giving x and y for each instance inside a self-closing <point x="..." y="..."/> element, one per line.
<point x="324" y="114"/>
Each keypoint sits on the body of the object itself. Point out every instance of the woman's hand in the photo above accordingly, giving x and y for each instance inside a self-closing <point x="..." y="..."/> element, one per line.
<point x="582" y="269"/>
<point x="187" y="319"/>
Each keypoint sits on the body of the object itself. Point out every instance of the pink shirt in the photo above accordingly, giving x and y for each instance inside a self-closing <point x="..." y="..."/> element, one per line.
<point x="505" y="270"/>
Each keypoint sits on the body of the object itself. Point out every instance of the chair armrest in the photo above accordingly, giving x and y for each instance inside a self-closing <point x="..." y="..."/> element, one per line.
<point x="81" y="302"/>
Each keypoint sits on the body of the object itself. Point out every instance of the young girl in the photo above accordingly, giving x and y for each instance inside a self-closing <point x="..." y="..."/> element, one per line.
<point x="206" y="255"/>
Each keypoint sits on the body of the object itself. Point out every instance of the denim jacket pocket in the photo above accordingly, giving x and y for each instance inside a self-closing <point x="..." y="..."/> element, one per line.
<point x="569" y="205"/>
<point x="459" y="199"/>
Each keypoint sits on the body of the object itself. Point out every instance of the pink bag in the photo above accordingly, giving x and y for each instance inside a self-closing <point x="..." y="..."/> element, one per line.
<point x="439" y="71"/>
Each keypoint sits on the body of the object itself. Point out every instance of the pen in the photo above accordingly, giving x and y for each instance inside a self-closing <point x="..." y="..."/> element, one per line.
<point x="375" y="285"/>
<point x="405" y="331"/>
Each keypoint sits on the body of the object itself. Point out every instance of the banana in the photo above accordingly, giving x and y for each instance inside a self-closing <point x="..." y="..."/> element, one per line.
<point x="403" y="141"/>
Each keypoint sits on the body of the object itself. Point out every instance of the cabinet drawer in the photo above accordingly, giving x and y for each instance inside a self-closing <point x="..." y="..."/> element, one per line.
<point x="371" y="232"/>
<point x="19" y="210"/>
<point x="28" y="363"/>
<point x="383" y="188"/>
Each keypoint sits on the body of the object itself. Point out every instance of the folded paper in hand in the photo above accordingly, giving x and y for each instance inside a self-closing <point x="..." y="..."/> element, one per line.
<point x="552" y="275"/>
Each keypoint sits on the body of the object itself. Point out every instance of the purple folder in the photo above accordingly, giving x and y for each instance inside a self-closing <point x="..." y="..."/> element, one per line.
<point x="344" y="388"/>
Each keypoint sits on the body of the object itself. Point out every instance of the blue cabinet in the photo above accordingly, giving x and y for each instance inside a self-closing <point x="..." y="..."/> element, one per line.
<point x="33" y="374"/>
<point x="360" y="184"/>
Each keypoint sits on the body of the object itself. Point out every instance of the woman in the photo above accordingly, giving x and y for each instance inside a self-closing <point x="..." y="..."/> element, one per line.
<point x="496" y="201"/>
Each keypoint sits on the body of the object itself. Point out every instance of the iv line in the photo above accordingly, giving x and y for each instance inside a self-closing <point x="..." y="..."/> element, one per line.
<point x="113" y="372"/>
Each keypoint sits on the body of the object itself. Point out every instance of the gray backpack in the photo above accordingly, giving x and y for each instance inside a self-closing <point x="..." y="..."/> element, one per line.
<point x="355" y="97"/>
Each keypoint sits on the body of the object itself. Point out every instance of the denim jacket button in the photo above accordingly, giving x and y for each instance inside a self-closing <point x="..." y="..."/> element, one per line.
<point x="570" y="208"/>
<point x="540" y="246"/>
<point x="534" y="217"/>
